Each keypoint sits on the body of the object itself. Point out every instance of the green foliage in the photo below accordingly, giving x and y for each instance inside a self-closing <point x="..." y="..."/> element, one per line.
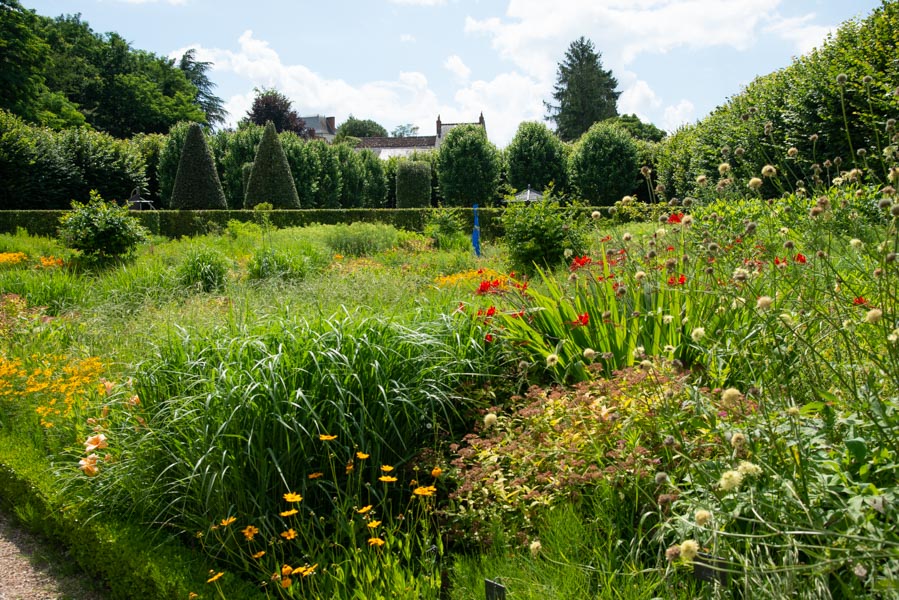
<point x="271" y="180"/>
<point x="352" y="176"/>
<point x="25" y="56"/>
<point x="195" y="71"/>
<point x="238" y="148"/>
<point x="413" y="184"/>
<point x="204" y="270"/>
<point x="197" y="185"/>
<point x="446" y="229"/>
<point x="100" y="230"/>
<point x="149" y="147"/>
<point x="374" y="192"/>
<point x="604" y="164"/>
<point x="543" y="234"/>
<point x="304" y="166"/>
<point x="169" y="159"/>
<point x="327" y="193"/>
<point x="584" y="92"/>
<point x="359" y="128"/>
<point x="294" y="264"/>
<point x="271" y="106"/>
<point x="639" y="130"/>
<point x="362" y="239"/>
<point x="468" y="166"/>
<point x="535" y="158"/>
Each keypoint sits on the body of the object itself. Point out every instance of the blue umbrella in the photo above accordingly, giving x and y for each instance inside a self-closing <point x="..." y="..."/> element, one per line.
<point x="476" y="234"/>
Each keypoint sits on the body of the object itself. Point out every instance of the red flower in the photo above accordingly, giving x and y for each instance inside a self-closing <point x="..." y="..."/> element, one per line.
<point x="860" y="301"/>
<point x="679" y="281"/>
<point x="582" y="320"/>
<point x="491" y="311"/>
<point x="670" y="248"/>
<point x="800" y="258"/>
<point x="580" y="261"/>
<point x="488" y="338"/>
<point x="608" y="238"/>
<point x="676" y="217"/>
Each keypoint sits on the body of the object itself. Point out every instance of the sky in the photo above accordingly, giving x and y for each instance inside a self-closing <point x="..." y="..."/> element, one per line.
<point x="403" y="62"/>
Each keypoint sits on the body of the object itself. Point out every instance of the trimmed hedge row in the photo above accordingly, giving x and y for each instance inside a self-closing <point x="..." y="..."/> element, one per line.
<point x="130" y="562"/>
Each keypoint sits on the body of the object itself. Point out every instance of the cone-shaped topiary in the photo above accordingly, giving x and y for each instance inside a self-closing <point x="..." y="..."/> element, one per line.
<point x="197" y="185"/>
<point x="270" y="180"/>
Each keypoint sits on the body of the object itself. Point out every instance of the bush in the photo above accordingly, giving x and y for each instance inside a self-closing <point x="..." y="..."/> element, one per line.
<point x="413" y="184"/>
<point x="468" y="166"/>
<point x="447" y="230"/>
<point x="150" y="146"/>
<point x="352" y="174"/>
<point x="111" y="167"/>
<point x="197" y="185"/>
<point x="169" y="159"/>
<point x="362" y="239"/>
<point x="535" y="158"/>
<point x="271" y="180"/>
<point x="237" y="148"/>
<point x="268" y="263"/>
<point x="542" y="234"/>
<point x="204" y="270"/>
<point x="327" y="192"/>
<point x="374" y="191"/>
<point x="304" y="166"/>
<point x="100" y="230"/>
<point x="603" y="165"/>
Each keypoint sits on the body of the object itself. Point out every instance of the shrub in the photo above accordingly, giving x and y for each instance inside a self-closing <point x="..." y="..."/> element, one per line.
<point x="361" y="239"/>
<point x="413" y="184"/>
<point x="304" y="166"/>
<point x="204" y="270"/>
<point x="468" y="166"/>
<point x="169" y="159"/>
<point x="352" y="174"/>
<point x="268" y="263"/>
<point x="603" y="164"/>
<point x="374" y="190"/>
<point x="197" y="185"/>
<point x="237" y="148"/>
<point x="100" y="230"/>
<point x="327" y="192"/>
<point x="447" y="230"/>
<point x="535" y="158"/>
<point x="271" y="180"/>
<point x="542" y="233"/>
<point x="150" y="146"/>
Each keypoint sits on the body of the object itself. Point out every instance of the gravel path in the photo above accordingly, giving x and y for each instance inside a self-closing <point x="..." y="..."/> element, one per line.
<point x="33" y="569"/>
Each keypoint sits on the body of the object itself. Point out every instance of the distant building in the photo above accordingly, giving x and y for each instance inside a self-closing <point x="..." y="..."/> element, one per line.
<point x="323" y="126"/>
<point x="385" y="147"/>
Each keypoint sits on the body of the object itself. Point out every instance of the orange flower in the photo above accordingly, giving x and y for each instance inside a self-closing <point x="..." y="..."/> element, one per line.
<point x="259" y="554"/>
<point x="386" y="478"/>
<point x="327" y="438"/>
<point x="361" y="455"/>
<point x="289" y="513"/>
<point x="249" y="532"/>
<point x="386" y="468"/>
<point x="375" y="542"/>
<point x="428" y="490"/>
<point x="292" y="497"/>
<point x="215" y="577"/>
<point x="286" y="570"/>
<point x="89" y="465"/>
<point x="364" y="509"/>
<point x="95" y="442"/>
<point x="289" y="534"/>
<point x="228" y="521"/>
<point x="436" y="472"/>
<point x="286" y="581"/>
<point x="373" y="524"/>
<point x="315" y="475"/>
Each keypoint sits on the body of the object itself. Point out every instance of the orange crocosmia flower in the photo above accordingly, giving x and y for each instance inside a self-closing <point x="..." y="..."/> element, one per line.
<point x="315" y="475"/>
<point x="289" y="534"/>
<point x="349" y="468"/>
<point x="292" y="497"/>
<point x="436" y="472"/>
<point x="364" y="509"/>
<point x="428" y="490"/>
<point x="386" y="468"/>
<point x="386" y="478"/>
<point x="375" y="542"/>
<point x="361" y="455"/>
<point x="107" y="386"/>
<point x="134" y="400"/>
<point x="95" y="442"/>
<point x="327" y="438"/>
<point x="289" y="513"/>
<point x="228" y="521"/>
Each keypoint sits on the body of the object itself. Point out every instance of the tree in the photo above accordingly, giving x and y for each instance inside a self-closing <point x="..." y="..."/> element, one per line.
<point x="637" y="128"/>
<point x="197" y="185"/>
<point x="603" y="164"/>
<point x="468" y="166"/>
<point x="584" y="92"/>
<point x="535" y="158"/>
<point x="271" y="180"/>
<point x="327" y="193"/>
<point x="407" y="130"/>
<point x="272" y="105"/>
<point x="359" y="128"/>
<point x="24" y="57"/>
<point x="413" y="184"/>
<point x="352" y="174"/>
<point x="195" y="71"/>
<point x="374" y="192"/>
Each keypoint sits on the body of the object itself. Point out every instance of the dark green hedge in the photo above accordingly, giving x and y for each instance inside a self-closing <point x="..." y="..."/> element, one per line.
<point x="413" y="184"/>
<point x="130" y="562"/>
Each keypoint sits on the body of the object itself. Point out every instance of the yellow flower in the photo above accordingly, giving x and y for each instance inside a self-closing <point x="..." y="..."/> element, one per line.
<point x="386" y="478"/>
<point x="249" y="532"/>
<point x="309" y="570"/>
<point x="373" y="524"/>
<point x="364" y="509"/>
<point x="259" y="554"/>
<point x="292" y="497"/>
<point x="315" y="475"/>
<point x="349" y="467"/>
<point x="375" y="542"/>
<point x="289" y="534"/>
<point x="361" y="455"/>
<point x="286" y="570"/>
<point x="436" y="472"/>
<point x="215" y="577"/>
<point x="286" y="581"/>
<point x="192" y="595"/>
<point x="228" y="521"/>
<point x="428" y="490"/>
<point x="289" y="513"/>
<point x="386" y="468"/>
<point x="327" y="438"/>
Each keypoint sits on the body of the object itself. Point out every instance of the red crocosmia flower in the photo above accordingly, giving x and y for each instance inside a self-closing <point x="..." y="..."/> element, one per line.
<point x="488" y="338"/>
<point x="738" y="241"/>
<point x="480" y="271"/>
<point x="860" y="301"/>
<point x="670" y="248"/>
<point x="491" y="311"/>
<point x="800" y="258"/>
<point x="484" y="287"/>
<point x="461" y="307"/>
<point x="580" y="261"/>
<point x="671" y="280"/>
<point x="682" y="279"/>
<point x="608" y="238"/>
<point x="582" y="320"/>
<point x="676" y="217"/>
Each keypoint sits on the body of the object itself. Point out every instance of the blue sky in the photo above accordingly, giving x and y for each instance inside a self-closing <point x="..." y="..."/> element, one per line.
<point x="406" y="61"/>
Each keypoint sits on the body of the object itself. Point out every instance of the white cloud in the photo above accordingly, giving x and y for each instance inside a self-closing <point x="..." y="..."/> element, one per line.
<point x="506" y="101"/>
<point x="457" y="67"/>
<point x="800" y="32"/>
<point x="640" y="99"/>
<point x="407" y="38"/>
<point x="419" y="2"/>
<point x="677" y="115"/>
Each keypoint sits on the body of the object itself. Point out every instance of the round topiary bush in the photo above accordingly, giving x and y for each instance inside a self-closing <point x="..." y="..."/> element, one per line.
<point x="604" y="164"/>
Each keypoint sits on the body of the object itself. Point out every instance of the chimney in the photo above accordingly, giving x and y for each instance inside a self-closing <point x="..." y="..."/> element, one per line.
<point x="333" y="129"/>
<point x="439" y="125"/>
<point x="481" y="121"/>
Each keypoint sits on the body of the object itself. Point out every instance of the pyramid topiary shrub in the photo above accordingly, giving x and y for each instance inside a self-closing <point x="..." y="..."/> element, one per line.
<point x="197" y="185"/>
<point x="270" y="180"/>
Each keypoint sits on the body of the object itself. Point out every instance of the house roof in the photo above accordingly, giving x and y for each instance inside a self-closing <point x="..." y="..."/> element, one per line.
<point x="320" y="124"/>
<point x="418" y="141"/>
